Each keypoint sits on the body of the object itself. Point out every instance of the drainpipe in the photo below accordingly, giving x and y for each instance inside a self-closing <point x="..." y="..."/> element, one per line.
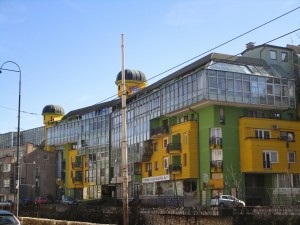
<point x="261" y="51"/>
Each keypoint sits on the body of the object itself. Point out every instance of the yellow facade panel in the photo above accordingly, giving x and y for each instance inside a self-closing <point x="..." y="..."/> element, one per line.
<point x="189" y="148"/>
<point x="216" y="184"/>
<point x="254" y="146"/>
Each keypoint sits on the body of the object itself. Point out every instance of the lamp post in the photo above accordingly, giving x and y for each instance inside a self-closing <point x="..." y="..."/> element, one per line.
<point x="18" y="134"/>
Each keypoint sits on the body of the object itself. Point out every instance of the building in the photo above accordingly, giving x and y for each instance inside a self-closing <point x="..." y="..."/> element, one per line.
<point x="37" y="174"/>
<point x="222" y="124"/>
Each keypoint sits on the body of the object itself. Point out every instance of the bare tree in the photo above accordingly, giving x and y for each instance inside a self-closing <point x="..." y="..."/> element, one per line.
<point x="233" y="179"/>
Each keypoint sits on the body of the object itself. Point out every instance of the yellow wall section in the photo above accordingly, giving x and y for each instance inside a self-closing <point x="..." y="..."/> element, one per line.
<point x="251" y="149"/>
<point x="129" y="85"/>
<point x="71" y="172"/>
<point x="49" y="120"/>
<point x="190" y="170"/>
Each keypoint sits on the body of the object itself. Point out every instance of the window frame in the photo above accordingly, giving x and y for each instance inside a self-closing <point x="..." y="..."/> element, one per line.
<point x="165" y="142"/>
<point x="294" y="156"/>
<point x="156" y="165"/>
<point x="260" y="134"/>
<point x="166" y="163"/>
<point x="148" y="167"/>
<point x="284" y="57"/>
<point x="271" y="154"/>
<point x="272" y="56"/>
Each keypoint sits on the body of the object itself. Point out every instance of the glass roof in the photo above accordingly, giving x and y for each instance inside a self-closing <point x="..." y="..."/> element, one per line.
<point x="248" y="69"/>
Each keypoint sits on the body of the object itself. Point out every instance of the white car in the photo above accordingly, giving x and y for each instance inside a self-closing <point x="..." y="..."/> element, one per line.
<point x="6" y="217"/>
<point x="226" y="200"/>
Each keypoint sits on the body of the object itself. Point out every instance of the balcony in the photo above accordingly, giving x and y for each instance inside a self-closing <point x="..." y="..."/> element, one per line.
<point x="77" y="165"/>
<point x="159" y="132"/>
<point x="174" y="148"/>
<point x="280" y="142"/>
<point x="77" y="180"/>
<point x="216" y="166"/>
<point x="215" y="143"/>
<point x="175" y="169"/>
<point x="137" y="168"/>
<point x="148" y="151"/>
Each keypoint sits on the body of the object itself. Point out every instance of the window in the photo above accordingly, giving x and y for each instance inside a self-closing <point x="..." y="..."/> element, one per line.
<point x="185" y="138"/>
<point x="137" y="168"/>
<point x="291" y="157"/>
<point x="184" y="160"/>
<point x="46" y="157"/>
<point x="269" y="157"/>
<point x="284" y="56"/>
<point x="222" y="116"/>
<point x="273" y="54"/>
<point x="166" y="163"/>
<point x="296" y="180"/>
<point x="155" y="146"/>
<point x="287" y="136"/>
<point x="262" y="134"/>
<point x="255" y="114"/>
<point x="6" y="168"/>
<point x="156" y="165"/>
<point x="216" y="154"/>
<point x="165" y="144"/>
<point x="148" y="167"/>
<point x="6" y="183"/>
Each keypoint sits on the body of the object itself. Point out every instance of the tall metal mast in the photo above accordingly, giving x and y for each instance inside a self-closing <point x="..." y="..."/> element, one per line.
<point x="124" y="143"/>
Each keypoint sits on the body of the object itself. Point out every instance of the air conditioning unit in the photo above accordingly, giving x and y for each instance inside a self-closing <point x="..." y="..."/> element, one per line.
<point x="275" y="127"/>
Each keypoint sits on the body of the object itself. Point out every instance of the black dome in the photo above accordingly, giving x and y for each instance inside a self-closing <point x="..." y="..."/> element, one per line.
<point x="132" y="75"/>
<point x="53" y="109"/>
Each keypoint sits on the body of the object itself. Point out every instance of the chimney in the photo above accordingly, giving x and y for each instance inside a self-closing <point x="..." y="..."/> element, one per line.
<point x="250" y="45"/>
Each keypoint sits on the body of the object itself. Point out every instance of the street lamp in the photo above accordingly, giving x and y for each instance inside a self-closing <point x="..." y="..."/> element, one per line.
<point x="18" y="134"/>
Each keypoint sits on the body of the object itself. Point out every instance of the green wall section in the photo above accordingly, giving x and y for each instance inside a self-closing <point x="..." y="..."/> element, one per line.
<point x="231" y="146"/>
<point x="206" y="121"/>
<point x="210" y="118"/>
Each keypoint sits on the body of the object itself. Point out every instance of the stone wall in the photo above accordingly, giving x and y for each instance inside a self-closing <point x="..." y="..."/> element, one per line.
<point x="40" y="221"/>
<point x="219" y="216"/>
<point x="167" y="216"/>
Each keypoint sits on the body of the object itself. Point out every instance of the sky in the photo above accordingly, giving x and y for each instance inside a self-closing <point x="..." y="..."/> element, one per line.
<point x="69" y="51"/>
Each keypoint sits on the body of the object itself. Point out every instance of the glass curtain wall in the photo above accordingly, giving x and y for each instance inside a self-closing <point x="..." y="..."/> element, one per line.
<point x="34" y="136"/>
<point x="91" y="134"/>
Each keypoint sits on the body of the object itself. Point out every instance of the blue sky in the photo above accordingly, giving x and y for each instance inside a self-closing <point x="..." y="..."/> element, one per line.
<point x="69" y="51"/>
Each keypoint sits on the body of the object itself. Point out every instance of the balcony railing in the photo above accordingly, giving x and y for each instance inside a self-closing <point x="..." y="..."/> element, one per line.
<point x="137" y="168"/>
<point x="216" y="166"/>
<point x="174" y="148"/>
<point x="175" y="169"/>
<point x="77" y="179"/>
<point x="159" y="131"/>
<point x="148" y="151"/>
<point x="77" y="165"/>
<point x="215" y="142"/>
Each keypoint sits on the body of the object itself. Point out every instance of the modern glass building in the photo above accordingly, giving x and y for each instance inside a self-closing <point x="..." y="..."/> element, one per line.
<point x="216" y="79"/>
<point x="192" y="114"/>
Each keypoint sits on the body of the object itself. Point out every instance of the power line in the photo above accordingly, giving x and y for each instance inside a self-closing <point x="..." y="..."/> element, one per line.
<point x="20" y="111"/>
<point x="232" y="56"/>
<point x="224" y="43"/>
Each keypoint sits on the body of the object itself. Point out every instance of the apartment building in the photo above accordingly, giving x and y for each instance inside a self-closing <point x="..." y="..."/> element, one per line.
<point x="222" y="124"/>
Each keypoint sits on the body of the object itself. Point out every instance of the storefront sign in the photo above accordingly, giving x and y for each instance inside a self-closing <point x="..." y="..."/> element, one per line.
<point x="155" y="179"/>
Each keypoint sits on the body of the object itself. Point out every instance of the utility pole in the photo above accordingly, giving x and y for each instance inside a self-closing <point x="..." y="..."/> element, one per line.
<point x="124" y="143"/>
